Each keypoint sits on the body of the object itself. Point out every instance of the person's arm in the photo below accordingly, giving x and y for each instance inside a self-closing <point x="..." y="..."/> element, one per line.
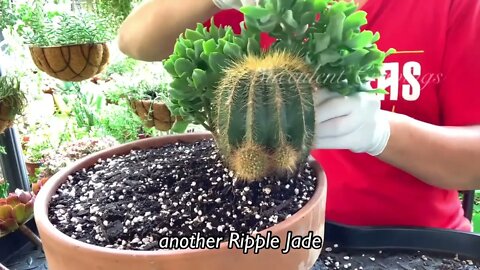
<point x="150" y="31"/>
<point x="446" y="157"/>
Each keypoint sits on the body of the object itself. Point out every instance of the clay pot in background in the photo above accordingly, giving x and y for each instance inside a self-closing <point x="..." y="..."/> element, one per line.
<point x="63" y="252"/>
<point x="71" y="63"/>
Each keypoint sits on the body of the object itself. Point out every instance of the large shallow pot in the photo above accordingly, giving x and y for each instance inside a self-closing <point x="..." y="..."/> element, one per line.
<point x="63" y="252"/>
<point x="71" y="63"/>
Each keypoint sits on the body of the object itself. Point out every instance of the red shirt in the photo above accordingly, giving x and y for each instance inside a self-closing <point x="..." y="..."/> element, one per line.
<point x="440" y="85"/>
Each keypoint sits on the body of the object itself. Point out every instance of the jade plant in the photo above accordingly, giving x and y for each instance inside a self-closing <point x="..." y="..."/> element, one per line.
<point x="258" y="104"/>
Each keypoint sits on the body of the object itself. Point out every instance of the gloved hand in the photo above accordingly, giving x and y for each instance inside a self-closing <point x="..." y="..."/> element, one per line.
<point x="236" y="4"/>
<point x="353" y="122"/>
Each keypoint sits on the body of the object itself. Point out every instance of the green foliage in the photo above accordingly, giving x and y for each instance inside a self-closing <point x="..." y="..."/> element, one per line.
<point x="145" y="90"/>
<point x="61" y="29"/>
<point x="476" y="212"/>
<point x="121" y="123"/>
<point x="343" y="56"/>
<point x="196" y="66"/>
<point x="8" y="16"/>
<point x="2" y="150"/>
<point x="116" y="10"/>
<point x="3" y="188"/>
<point x="12" y="95"/>
<point x="122" y="67"/>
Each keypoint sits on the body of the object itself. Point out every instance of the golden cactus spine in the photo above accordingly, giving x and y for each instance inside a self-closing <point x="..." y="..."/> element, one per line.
<point x="265" y="115"/>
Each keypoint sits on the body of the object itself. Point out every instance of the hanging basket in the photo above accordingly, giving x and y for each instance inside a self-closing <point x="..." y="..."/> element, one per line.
<point x="153" y="114"/>
<point x="71" y="63"/>
<point x="6" y="117"/>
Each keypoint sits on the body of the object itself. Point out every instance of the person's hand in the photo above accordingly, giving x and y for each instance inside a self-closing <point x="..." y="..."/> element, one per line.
<point x="353" y="122"/>
<point x="233" y="4"/>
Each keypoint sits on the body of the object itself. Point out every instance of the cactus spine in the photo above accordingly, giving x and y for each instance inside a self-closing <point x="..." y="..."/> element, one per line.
<point x="265" y="115"/>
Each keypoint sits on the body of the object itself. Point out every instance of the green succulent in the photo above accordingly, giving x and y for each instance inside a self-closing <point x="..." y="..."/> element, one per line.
<point x="259" y="104"/>
<point x="15" y="210"/>
<point x="197" y="64"/>
<point x="343" y="56"/>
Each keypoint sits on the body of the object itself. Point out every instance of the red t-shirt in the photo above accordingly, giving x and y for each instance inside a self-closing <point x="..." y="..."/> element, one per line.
<point x="440" y="86"/>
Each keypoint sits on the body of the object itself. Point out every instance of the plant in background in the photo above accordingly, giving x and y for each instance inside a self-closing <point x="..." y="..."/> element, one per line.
<point x="3" y="188"/>
<point x="116" y="10"/>
<point x="150" y="101"/>
<point x="63" y="29"/>
<point x="2" y="150"/>
<point x="12" y="101"/>
<point x="8" y="15"/>
<point x="15" y="210"/>
<point x="122" y="67"/>
<point x="121" y="123"/>
<point x="259" y="105"/>
<point x="67" y="153"/>
<point x="70" y="47"/>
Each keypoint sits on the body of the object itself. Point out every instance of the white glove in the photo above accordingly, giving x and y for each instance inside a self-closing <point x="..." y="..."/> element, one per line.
<point x="353" y="122"/>
<point x="236" y="4"/>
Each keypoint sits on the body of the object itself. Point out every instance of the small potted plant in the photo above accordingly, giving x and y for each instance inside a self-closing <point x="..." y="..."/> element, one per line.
<point x="12" y="101"/>
<point x="16" y="209"/>
<point x="70" y="47"/>
<point x="149" y="102"/>
<point x="246" y="180"/>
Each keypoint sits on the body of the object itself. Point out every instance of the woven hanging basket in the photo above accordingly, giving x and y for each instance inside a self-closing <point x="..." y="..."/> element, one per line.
<point x="153" y="114"/>
<point x="6" y="118"/>
<point x="72" y="63"/>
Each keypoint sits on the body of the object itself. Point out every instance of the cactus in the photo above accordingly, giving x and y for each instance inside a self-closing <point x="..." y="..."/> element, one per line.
<point x="259" y="105"/>
<point x="265" y="115"/>
<point x="15" y="210"/>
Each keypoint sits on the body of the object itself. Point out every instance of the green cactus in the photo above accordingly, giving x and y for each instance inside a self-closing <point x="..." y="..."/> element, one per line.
<point x="265" y="116"/>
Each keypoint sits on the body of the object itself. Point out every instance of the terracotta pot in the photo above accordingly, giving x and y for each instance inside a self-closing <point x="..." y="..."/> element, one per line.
<point x="71" y="63"/>
<point x="153" y="114"/>
<point x="6" y="117"/>
<point x="63" y="252"/>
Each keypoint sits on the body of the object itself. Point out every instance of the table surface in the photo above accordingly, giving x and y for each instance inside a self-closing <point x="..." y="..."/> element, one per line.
<point x="31" y="258"/>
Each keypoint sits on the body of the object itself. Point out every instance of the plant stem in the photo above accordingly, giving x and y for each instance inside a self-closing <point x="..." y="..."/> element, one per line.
<point x="31" y="236"/>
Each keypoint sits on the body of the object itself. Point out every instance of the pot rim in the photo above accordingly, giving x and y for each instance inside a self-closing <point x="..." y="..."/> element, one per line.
<point x="48" y="190"/>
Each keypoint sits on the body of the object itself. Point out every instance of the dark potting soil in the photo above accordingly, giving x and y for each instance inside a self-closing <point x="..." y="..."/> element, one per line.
<point x="132" y="201"/>
<point x="334" y="257"/>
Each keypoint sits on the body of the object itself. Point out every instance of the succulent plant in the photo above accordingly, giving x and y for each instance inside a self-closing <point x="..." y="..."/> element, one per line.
<point x="257" y="104"/>
<point x="343" y="56"/>
<point x="197" y="65"/>
<point x="15" y="210"/>
<point x="265" y="114"/>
